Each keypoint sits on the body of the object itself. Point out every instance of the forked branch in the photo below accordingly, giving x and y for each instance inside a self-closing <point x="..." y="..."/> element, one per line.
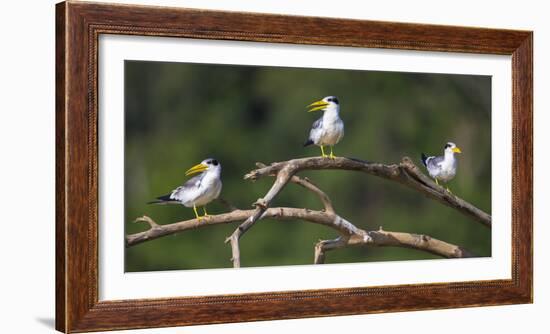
<point x="350" y="235"/>
<point x="406" y="173"/>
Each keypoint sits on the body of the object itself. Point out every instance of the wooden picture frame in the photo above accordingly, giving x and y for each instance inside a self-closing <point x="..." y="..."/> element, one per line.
<point x="78" y="27"/>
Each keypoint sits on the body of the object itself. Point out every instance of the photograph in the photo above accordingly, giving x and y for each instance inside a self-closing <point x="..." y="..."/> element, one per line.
<point x="383" y="164"/>
<point x="263" y="165"/>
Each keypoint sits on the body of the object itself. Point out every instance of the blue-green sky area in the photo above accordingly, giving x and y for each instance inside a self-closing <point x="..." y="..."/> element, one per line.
<point x="177" y="114"/>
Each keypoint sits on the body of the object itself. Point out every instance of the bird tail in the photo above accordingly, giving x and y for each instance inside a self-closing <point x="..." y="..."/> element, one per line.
<point x="308" y="142"/>
<point x="424" y="159"/>
<point x="162" y="199"/>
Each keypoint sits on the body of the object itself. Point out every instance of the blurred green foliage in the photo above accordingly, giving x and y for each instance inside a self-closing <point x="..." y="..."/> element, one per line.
<point x="178" y="114"/>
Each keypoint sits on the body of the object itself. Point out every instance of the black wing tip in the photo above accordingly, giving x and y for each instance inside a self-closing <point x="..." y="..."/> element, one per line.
<point x="308" y="142"/>
<point x="161" y="199"/>
<point x="424" y="159"/>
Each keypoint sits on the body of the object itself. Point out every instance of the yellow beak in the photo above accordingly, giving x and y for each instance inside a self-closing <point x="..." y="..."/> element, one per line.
<point x="317" y="105"/>
<point x="457" y="150"/>
<point x="196" y="169"/>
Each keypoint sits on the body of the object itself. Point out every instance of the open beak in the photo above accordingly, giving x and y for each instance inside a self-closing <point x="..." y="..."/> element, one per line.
<point x="317" y="105"/>
<point x="457" y="150"/>
<point x="196" y="169"/>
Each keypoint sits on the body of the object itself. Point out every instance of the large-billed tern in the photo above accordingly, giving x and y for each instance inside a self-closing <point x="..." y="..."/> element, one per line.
<point x="198" y="190"/>
<point x="329" y="129"/>
<point x="442" y="168"/>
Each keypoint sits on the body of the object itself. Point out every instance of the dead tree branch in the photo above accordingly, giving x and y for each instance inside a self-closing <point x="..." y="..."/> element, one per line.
<point x="383" y="238"/>
<point x="283" y="176"/>
<point x="406" y="173"/>
<point x="350" y="235"/>
<point x="309" y="185"/>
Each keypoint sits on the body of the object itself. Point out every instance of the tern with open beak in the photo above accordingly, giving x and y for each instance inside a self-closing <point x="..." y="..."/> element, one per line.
<point x="329" y="129"/>
<point x="198" y="190"/>
<point x="442" y="168"/>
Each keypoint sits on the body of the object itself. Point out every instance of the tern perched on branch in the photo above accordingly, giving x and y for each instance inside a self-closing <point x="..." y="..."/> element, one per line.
<point x="198" y="190"/>
<point x="329" y="129"/>
<point x="442" y="168"/>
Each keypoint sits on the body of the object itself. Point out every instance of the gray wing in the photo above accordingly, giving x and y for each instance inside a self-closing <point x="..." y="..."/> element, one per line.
<point x="434" y="163"/>
<point x="193" y="183"/>
<point x="317" y="125"/>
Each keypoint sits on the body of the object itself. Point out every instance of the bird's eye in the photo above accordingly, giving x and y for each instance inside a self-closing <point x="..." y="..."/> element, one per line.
<point x="335" y="100"/>
<point x="215" y="162"/>
<point x="447" y="145"/>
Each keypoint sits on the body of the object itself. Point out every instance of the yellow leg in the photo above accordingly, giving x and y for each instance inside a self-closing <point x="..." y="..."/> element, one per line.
<point x="205" y="213"/>
<point x="331" y="154"/>
<point x="436" y="182"/>
<point x="323" y="152"/>
<point x="196" y="213"/>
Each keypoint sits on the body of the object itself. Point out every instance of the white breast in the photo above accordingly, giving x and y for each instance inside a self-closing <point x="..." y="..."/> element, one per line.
<point x="206" y="194"/>
<point x="202" y="193"/>
<point x="331" y="131"/>
<point x="447" y="170"/>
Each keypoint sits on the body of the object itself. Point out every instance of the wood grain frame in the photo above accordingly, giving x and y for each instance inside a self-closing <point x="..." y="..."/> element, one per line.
<point x="78" y="26"/>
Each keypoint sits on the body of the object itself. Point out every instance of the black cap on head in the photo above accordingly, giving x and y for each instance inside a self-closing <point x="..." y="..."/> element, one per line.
<point x="333" y="99"/>
<point x="212" y="162"/>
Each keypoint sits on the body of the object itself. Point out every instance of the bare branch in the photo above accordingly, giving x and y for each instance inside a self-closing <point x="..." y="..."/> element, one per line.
<point x="281" y="213"/>
<point x="350" y="235"/>
<point x="309" y="185"/>
<point x="406" y="173"/>
<point x="323" y="245"/>
<point x="283" y="176"/>
<point x="382" y="238"/>
<point x="416" y="241"/>
<point x="145" y="219"/>
<point x="306" y="183"/>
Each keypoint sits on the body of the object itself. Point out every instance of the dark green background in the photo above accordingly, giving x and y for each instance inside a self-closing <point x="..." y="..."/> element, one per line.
<point x="178" y="114"/>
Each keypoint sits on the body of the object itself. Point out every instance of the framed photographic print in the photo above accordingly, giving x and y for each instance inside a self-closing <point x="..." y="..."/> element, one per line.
<point x="221" y="167"/>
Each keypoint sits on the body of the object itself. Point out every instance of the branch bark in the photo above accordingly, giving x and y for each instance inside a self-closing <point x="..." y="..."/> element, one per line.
<point x="279" y="213"/>
<point x="283" y="176"/>
<point x="309" y="185"/>
<point x="350" y="235"/>
<point x="405" y="173"/>
<point x="383" y="238"/>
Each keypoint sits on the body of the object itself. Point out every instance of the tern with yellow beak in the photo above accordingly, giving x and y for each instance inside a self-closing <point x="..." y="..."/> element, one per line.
<point x="198" y="190"/>
<point x="329" y="129"/>
<point x="442" y="168"/>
